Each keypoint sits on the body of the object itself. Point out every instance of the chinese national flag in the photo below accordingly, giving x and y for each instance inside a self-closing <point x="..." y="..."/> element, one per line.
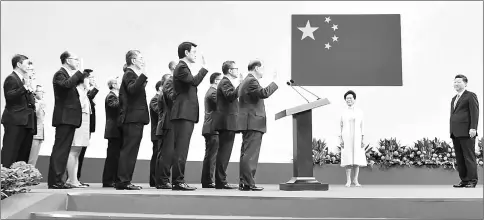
<point x="346" y="50"/>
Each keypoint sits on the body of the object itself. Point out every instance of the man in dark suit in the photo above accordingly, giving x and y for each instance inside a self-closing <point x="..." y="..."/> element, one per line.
<point x="112" y="133"/>
<point x="252" y="123"/>
<point x="19" y="116"/>
<point x="185" y="111"/>
<point x="66" y="117"/>
<point x="133" y="117"/>
<point x="164" y="129"/>
<point x="226" y="121"/>
<point x="155" y="139"/>
<point x="91" y="94"/>
<point x="464" y="116"/>
<point x="209" y="133"/>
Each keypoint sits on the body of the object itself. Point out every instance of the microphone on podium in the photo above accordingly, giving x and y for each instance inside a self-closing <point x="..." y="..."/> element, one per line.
<point x="292" y="82"/>
<point x="289" y="84"/>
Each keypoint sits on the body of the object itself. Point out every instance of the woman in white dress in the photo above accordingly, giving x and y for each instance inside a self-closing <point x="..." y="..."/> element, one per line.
<point x="38" y="139"/>
<point x="81" y="137"/>
<point x="352" y="152"/>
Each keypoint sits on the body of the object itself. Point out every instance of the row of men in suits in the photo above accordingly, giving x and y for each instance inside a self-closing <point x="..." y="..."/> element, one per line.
<point x="230" y="110"/>
<point x="175" y="110"/>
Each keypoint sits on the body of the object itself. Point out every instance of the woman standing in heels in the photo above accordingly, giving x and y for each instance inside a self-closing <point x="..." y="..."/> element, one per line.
<point x="81" y="135"/>
<point x="352" y="152"/>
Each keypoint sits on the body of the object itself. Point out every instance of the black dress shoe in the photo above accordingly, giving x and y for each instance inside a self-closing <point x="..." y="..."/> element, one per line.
<point x="225" y="186"/>
<point x="250" y="188"/>
<point x="60" y="186"/>
<point x="183" y="187"/>
<point x="210" y="185"/>
<point x="107" y="185"/>
<point x="164" y="186"/>
<point x="460" y="185"/>
<point x="128" y="187"/>
<point x="470" y="185"/>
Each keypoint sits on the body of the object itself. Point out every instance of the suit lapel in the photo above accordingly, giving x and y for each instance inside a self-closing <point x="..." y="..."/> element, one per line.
<point x="19" y="81"/>
<point x="188" y="67"/>
<point x="64" y="71"/>
<point x="459" y="101"/>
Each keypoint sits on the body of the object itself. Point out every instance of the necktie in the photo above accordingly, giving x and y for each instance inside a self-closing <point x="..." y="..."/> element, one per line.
<point x="23" y="81"/>
<point x="456" y="99"/>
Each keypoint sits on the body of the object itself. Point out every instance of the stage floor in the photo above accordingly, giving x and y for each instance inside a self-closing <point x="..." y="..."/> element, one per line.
<point x="272" y="190"/>
<point x="369" y="201"/>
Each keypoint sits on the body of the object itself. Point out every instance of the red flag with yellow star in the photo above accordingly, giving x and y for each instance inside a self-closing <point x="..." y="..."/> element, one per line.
<point x="346" y="50"/>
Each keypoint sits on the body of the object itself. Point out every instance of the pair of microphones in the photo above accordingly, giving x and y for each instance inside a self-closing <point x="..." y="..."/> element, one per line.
<point x="291" y="84"/>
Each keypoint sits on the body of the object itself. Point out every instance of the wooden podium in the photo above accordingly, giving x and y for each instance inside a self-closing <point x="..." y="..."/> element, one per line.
<point x="303" y="178"/>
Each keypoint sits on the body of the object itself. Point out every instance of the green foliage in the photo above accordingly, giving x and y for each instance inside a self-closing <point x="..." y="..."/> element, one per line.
<point x="321" y="155"/>
<point x="430" y="153"/>
<point x="18" y="178"/>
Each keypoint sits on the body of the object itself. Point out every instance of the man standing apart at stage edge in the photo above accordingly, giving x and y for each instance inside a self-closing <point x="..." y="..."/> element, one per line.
<point x="185" y="111"/>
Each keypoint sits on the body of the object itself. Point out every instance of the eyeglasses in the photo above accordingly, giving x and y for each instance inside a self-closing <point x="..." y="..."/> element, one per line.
<point x="76" y="59"/>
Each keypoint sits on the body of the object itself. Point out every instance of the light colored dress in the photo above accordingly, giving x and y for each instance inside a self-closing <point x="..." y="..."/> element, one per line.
<point x="39" y="137"/>
<point x="352" y="131"/>
<point x="81" y="135"/>
<point x="40" y="114"/>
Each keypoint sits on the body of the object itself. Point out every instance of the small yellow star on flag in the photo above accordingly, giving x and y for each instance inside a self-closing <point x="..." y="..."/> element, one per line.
<point x="327" y="46"/>
<point x="307" y="31"/>
<point x="335" y="38"/>
<point x="335" y="27"/>
<point x="327" y="19"/>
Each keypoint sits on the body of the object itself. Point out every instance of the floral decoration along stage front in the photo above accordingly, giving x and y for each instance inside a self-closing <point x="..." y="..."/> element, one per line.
<point x="18" y="178"/>
<point x="390" y="153"/>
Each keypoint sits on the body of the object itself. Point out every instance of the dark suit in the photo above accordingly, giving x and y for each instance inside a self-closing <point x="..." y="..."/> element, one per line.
<point x="19" y="121"/>
<point x="133" y="117"/>
<point x="156" y="140"/>
<point x="184" y="114"/>
<point x="164" y="129"/>
<point x="112" y="133"/>
<point x="211" y="137"/>
<point x="252" y="124"/>
<point x="66" y="118"/>
<point x="226" y="125"/>
<point x="464" y="117"/>
<point x="91" y="94"/>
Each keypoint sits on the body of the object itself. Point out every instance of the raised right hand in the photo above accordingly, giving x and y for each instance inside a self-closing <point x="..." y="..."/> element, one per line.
<point x="274" y="76"/>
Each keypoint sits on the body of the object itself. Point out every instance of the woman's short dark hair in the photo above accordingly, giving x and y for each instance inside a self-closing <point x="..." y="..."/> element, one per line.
<point x="158" y="85"/>
<point x="214" y="76"/>
<point x="350" y="92"/>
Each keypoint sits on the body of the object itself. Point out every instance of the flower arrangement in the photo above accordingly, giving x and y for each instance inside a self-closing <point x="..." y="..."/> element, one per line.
<point x="431" y="153"/>
<point x="18" y="177"/>
<point x="322" y="156"/>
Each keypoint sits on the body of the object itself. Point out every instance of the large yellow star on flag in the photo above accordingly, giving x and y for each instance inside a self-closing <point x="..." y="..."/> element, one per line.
<point x="307" y="31"/>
